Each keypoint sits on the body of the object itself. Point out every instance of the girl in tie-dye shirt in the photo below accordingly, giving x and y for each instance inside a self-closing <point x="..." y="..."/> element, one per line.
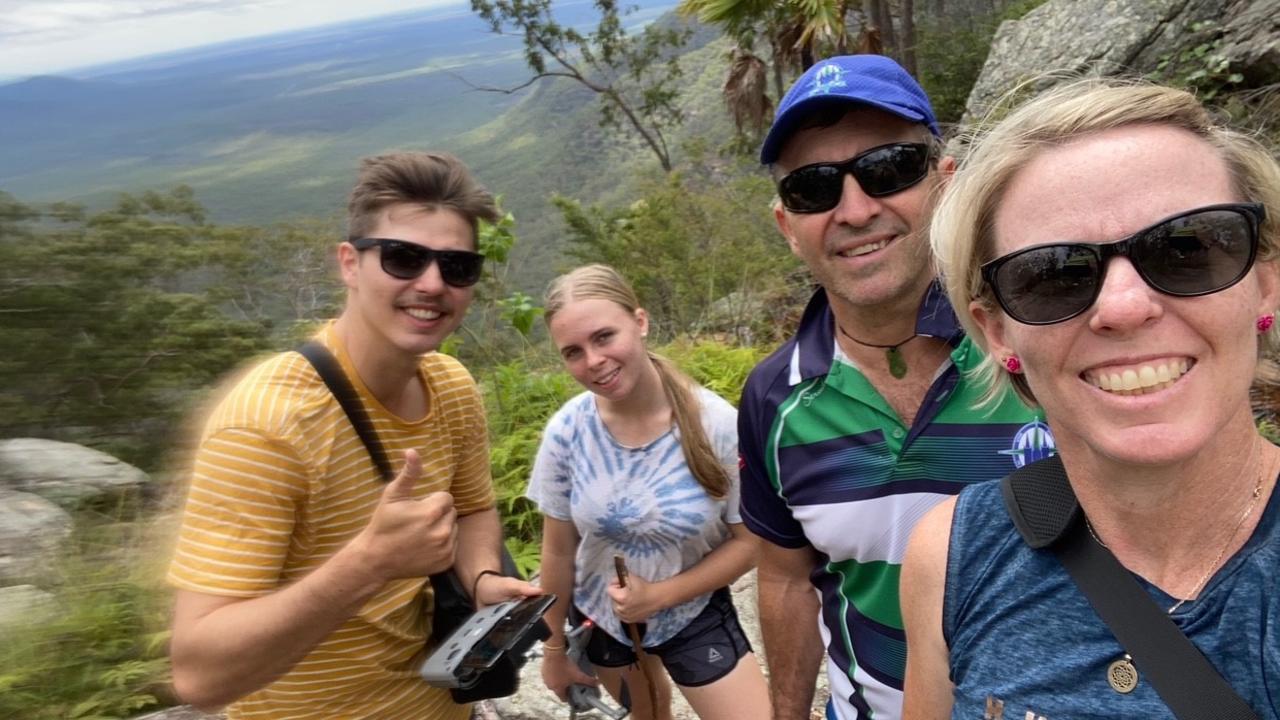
<point x="643" y="466"/>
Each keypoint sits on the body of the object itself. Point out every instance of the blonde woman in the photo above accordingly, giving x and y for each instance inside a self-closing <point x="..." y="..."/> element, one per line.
<point x="1113" y="248"/>
<point x="642" y="465"/>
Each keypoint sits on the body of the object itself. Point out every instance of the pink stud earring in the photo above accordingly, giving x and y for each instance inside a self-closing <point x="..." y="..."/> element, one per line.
<point x="1012" y="364"/>
<point x="1265" y="322"/>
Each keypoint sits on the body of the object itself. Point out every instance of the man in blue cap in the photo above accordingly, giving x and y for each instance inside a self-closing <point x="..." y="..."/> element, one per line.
<point x="863" y="420"/>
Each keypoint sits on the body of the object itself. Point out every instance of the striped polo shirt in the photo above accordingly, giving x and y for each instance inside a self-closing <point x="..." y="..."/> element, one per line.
<point x="281" y="481"/>
<point x="828" y="463"/>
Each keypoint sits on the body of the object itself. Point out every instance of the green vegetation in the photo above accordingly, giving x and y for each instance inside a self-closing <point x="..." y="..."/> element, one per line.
<point x="75" y="286"/>
<point x="692" y="249"/>
<point x="99" y="652"/>
<point x="1201" y="68"/>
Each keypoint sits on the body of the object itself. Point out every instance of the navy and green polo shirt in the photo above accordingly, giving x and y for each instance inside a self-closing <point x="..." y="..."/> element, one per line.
<point x="827" y="462"/>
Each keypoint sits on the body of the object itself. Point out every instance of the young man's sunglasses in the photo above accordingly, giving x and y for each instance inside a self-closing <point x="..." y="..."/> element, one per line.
<point x="1196" y="252"/>
<point x="880" y="171"/>
<point x="407" y="261"/>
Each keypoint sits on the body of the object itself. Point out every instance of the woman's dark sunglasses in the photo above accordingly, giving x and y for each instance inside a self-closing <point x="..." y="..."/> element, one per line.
<point x="880" y="171"/>
<point x="1197" y="252"/>
<point x="407" y="261"/>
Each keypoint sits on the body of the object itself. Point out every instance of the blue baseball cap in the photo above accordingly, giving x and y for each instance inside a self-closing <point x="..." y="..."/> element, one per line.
<point x="872" y="80"/>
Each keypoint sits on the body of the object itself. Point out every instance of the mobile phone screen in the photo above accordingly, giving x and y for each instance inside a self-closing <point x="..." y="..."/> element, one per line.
<point x="507" y="632"/>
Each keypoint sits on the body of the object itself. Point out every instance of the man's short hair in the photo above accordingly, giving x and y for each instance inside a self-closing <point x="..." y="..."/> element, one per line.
<point x="430" y="180"/>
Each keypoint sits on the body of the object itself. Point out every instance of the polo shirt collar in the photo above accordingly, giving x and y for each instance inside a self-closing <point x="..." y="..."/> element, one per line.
<point x="815" y="340"/>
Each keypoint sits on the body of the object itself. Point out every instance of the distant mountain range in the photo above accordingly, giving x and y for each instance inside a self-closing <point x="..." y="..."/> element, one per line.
<point x="271" y="129"/>
<point x="287" y="111"/>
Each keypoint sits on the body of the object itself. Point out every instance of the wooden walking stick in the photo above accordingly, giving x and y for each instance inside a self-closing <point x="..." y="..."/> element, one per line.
<point x="620" y="566"/>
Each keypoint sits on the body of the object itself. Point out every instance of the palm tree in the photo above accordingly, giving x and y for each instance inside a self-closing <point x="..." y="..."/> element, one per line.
<point x="744" y="92"/>
<point x="797" y="32"/>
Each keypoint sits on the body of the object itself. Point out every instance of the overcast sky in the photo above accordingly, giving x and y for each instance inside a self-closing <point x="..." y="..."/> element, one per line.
<point x="47" y="36"/>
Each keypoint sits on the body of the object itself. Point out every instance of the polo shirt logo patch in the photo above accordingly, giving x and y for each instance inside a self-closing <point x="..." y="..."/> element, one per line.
<point x="1032" y="442"/>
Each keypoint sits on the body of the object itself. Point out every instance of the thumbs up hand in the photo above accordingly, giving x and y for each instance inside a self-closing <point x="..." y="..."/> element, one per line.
<point x="407" y="536"/>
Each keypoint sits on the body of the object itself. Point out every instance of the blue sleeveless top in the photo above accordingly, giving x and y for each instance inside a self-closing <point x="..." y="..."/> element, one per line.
<point x="1025" y="643"/>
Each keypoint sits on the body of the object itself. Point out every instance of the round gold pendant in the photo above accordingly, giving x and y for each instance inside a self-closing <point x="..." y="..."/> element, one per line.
<point x="1122" y="675"/>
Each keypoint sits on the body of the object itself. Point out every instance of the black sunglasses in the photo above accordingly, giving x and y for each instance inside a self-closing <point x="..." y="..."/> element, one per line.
<point x="407" y="261"/>
<point x="1197" y="252"/>
<point x="880" y="171"/>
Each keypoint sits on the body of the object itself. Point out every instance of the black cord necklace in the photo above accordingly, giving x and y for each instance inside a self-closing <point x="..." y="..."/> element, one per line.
<point x="897" y="363"/>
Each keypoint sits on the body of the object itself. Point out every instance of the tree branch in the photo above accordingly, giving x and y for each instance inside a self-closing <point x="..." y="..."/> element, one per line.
<point x="517" y="88"/>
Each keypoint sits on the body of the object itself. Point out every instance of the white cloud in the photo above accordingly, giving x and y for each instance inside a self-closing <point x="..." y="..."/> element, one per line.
<point x="46" y="36"/>
<point x="62" y="17"/>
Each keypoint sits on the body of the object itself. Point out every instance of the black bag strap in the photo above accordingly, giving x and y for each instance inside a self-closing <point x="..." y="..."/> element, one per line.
<point x="1044" y="510"/>
<point x="331" y="372"/>
<point x="453" y="604"/>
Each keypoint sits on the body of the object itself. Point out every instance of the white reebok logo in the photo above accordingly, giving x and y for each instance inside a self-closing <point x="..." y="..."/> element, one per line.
<point x="714" y="655"/>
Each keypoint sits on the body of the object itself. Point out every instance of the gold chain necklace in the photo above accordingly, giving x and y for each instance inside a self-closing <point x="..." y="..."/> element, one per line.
<point x="1195" y="592"/>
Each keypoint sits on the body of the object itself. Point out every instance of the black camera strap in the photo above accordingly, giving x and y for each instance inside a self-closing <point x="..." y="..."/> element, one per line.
<point x="448" y="589"/>
<point x="1045" y="512"/>
<point x="330" y="371"/>
<point x="453" y="604"/>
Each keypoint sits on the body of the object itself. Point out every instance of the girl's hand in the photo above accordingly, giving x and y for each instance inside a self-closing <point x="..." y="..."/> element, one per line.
<point x="636" y="602"/>
<point x="558" y="674"/>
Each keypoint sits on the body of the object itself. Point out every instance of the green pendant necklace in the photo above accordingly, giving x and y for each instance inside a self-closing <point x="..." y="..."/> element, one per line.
<point x="897" y="363"/>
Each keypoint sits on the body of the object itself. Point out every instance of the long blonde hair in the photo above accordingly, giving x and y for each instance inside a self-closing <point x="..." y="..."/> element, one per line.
<point x="963" y="229"/>
<point x="601" y="282"/>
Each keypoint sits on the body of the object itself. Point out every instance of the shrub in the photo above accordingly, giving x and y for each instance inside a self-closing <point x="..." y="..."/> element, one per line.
<point x="519" y="400"/>
<point x="101" y="654"/>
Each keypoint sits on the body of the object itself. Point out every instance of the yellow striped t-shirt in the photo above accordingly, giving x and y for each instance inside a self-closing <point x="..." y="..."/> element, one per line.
<point x="281" y="481"/>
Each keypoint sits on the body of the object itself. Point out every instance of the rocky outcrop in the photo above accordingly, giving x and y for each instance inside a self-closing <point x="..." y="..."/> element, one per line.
<point x="1168" y="38"/>
<point x="65" y="473"/>
<point x="32" y="533"/>
<point x="23" y="604"/>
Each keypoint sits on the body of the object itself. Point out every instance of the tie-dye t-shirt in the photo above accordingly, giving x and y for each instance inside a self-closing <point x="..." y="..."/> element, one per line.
<point x="639" y="502"/>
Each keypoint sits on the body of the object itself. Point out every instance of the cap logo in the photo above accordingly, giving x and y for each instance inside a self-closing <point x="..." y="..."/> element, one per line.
<point x="827" y="78"/>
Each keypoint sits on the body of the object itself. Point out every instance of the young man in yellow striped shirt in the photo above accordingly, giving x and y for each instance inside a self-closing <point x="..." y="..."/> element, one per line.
<point x="300" y="577"/>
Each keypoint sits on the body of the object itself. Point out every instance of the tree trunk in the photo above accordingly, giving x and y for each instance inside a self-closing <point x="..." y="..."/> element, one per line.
<point x="870" y="20"/>
<point x="776" y="59"/>
<point x="884" y="20"/>
<point x="807" y="58"/>
<point x="909" y="37"/>
<point x="652" y="136"/>
<point x="842" y="40"/>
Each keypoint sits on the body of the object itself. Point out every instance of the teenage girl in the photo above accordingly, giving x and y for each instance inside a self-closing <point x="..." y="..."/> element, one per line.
<point x="643" y="465"/>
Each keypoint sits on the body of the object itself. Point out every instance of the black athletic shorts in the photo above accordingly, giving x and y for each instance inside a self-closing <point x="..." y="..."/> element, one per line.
<point x="707" y="649"/>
